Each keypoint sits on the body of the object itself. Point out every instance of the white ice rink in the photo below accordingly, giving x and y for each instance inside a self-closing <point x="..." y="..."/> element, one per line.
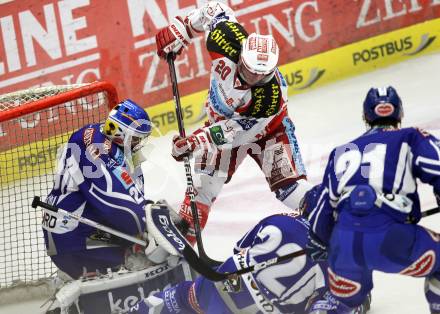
<point x="324" y="117"/>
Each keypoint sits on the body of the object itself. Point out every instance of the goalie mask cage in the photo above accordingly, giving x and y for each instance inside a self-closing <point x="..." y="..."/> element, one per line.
<point x="34" y="123"/>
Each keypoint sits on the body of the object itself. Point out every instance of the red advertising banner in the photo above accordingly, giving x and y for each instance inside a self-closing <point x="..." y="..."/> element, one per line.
<point x="48" y="42"/>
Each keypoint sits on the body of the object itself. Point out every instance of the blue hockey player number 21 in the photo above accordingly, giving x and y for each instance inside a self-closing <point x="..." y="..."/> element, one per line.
<point x="348" y="163"/>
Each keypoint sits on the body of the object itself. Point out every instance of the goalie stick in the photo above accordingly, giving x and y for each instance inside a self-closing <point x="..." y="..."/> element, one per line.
<point x="167" y="235"/>
<point x="189" y="180"/>
<point x="37" y="202"/>
<point x="160" y="223"/>
<point x="183" y="247"/>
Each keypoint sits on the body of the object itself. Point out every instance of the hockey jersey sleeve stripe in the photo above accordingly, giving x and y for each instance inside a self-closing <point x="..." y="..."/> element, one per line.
<point x="332" y="195"/>
<point x="107" y="198"/>
<point x="318" y="214"/>
<point x="430" y="171"/>
<point x="436" y="148"/>
<point x="299" y="292"/>
<point x="428" y="165"/>
<point x="428" y="161"/>
<point x="312" y="213"/>
<point x="319" y="207"/>
<point x="402" y="167"/>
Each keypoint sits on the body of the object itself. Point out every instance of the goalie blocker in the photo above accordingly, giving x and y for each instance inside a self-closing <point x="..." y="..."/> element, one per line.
<point x="167" y="236"/>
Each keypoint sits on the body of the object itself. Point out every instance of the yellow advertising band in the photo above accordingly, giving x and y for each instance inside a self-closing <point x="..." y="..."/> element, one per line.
<point x="377" y="52"/>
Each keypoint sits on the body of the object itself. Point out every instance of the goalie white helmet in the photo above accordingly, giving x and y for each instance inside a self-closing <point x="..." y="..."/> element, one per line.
<point x="258" y="59"/>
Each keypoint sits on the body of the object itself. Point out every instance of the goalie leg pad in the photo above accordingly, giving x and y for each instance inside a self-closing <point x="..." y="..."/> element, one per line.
<point x="75" y="264"/>
<point x="176" y="299"/>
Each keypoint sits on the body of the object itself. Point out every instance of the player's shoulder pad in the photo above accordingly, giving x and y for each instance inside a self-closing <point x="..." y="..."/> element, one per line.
<point x="287" y="219"/>
<point x="224" y="40"/>
<point x="422" y="132"/>
<point x="91" y="139"/>
<point x="418" y="135"/>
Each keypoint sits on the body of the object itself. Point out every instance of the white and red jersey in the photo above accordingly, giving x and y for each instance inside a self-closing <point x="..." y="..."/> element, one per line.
<point x="243" y="120"/>
<point x="237" y="113"/>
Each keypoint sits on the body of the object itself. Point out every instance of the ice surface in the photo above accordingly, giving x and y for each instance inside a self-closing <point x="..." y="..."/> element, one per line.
<point x="324" y="118"/>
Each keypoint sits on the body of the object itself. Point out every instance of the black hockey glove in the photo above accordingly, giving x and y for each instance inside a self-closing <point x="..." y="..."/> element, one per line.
<point x="316" y="249"/>
<point x="437" y="197"/>
<point x="309" y="200"/>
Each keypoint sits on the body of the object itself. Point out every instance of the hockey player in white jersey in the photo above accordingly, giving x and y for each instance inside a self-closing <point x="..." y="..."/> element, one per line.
<point x="95" y="180"/>
<point x="246" y="108"/>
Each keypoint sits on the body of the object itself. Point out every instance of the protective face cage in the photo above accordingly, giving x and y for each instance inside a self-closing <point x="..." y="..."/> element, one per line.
<point x="252" y="77"/>
<point x="258" y="59"/>
<point x="128" y="125"/>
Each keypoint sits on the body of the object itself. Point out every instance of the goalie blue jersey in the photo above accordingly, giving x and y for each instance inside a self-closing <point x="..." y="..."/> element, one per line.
<point x="92" y="181"/>
<point x="389" y="161"/>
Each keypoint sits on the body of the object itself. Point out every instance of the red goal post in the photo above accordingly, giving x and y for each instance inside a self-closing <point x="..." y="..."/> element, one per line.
<point x="34" y="123"/>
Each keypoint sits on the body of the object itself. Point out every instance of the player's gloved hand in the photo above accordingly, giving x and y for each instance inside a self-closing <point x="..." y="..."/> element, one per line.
<point x="316" y="249"/>
<point x="186" y="145"/>
<point x="173" y="37"/>
<point x="437" y="197"/>
<point x="309" y="200"/>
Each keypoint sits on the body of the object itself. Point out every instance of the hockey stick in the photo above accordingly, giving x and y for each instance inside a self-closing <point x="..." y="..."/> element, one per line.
<point x="168" y="236"/>
<point x="161" y="223"/>
<point x="430" y="212"/>
<point x="37" y="202"/>
<point x="178" y="241"/>
<point x="189" y="180"/>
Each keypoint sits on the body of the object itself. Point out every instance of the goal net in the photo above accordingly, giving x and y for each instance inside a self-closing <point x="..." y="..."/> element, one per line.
<point x="34" y="123"/>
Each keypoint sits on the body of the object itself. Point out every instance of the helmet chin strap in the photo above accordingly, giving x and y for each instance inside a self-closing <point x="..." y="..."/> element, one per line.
<point x="267" y="79"/>
<point x="126" y="150"/>
<point x="133" y="155"/>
